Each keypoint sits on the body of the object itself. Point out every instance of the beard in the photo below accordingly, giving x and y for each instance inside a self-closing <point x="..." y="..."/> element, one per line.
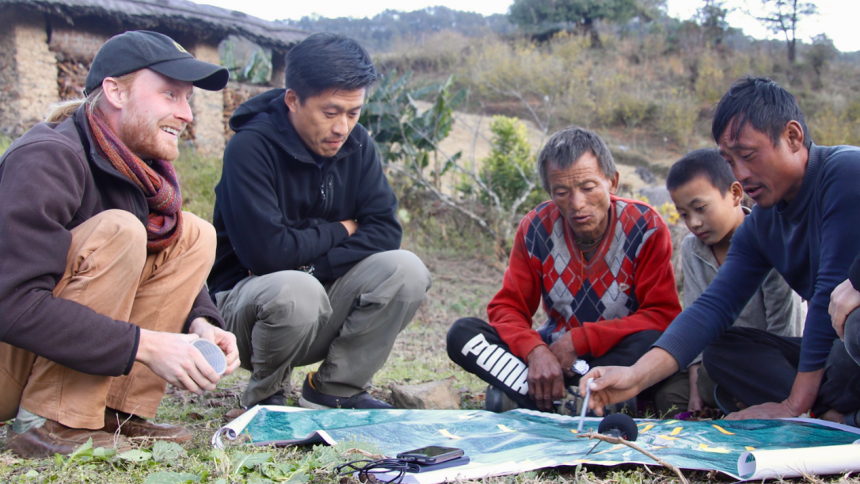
<point x="145" y="138"/>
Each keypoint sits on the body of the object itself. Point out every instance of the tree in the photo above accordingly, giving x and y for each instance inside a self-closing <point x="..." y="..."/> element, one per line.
<point x="579" y="13"/>
<point x="712" y="18"/>
<point x="819" y="56"/>
<point x="381" y="32"/>
<point x="782" y="16"/>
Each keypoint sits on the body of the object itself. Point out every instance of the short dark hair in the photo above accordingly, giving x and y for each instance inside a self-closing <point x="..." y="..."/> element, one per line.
<point x="326" y="60"/>
<point x="707" y="163"/>
<point x="567" y="146"/>
<point x="763" y="103"/>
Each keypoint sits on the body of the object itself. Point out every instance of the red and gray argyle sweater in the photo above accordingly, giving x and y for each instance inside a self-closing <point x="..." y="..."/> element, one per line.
<point x="627" y="287"/>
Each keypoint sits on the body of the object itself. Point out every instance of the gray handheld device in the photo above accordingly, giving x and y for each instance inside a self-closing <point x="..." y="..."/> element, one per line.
<point x="430" y="455"/>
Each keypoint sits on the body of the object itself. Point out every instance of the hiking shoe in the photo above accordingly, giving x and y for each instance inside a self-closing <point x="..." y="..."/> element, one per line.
<point x="495" y="400"/>
<point x="55" y="438"/>
<point x="277" y="398"/>
<point x="313" y="398"/>
<point x="134" y="427"/>
<point x="725" y="400"/>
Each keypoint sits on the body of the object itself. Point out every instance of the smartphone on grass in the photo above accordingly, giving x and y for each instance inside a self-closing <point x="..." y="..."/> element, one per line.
<point x="430" y="455"/>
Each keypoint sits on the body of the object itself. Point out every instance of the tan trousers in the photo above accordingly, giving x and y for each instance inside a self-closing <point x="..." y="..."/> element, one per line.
<point x="108" y="270"/>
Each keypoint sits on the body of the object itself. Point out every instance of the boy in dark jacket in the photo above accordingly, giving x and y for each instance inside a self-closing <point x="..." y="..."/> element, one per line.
<point x="307" y="267"/>
<point x="101" y="270"/>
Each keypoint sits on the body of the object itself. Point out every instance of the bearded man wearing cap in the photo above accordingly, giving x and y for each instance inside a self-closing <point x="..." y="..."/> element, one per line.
<point x="103" y="289"/>
<point x="308" y="267"/>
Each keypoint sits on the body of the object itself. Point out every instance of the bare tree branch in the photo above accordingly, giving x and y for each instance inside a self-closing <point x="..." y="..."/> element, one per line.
<point x="445" y="198"/>
<point x="620" y="441"/>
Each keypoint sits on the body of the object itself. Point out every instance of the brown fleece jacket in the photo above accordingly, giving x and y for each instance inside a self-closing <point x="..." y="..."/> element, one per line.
<point x="51" y="180"/>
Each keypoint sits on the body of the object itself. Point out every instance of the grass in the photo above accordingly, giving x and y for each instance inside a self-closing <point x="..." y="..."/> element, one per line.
<point x="198" y="176"/>
<point x="461" y="287"/>
<point x="5" y="142"/>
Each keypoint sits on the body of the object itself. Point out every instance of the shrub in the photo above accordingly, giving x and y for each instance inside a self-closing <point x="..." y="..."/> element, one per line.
<point x="509" y="164"/>
<point x="710" y="82"/>
<point x="830" y="127"/>
<point x="439" y="52"/>
<point x="633" y="110"/>
<point x="677" y="118"/>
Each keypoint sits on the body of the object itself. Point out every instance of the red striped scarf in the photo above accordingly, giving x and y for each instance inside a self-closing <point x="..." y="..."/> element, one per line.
<point x="158" y="182"/>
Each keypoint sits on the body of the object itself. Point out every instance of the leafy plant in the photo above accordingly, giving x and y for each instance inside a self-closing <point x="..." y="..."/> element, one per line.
<point x="258" y="69"/>
<point x="84" y="453"/>
<point x="509" y="170"/>
<point x="405" y="134"/>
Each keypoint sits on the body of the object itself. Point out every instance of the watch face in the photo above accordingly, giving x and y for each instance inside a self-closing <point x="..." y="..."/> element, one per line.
<point x="581" y="367"/>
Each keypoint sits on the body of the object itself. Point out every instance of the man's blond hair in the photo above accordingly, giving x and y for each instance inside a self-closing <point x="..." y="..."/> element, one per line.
<point x="58" y="112"/>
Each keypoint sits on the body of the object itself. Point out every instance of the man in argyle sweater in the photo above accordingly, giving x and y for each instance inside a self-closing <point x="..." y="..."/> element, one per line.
<point x="601" y="266"/>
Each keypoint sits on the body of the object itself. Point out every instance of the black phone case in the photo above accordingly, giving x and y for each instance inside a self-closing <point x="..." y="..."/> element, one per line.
<point x="416" y="468"/>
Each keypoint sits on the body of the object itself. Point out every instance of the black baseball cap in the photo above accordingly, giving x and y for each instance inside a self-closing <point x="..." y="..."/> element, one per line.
<point x="132" y="51"/>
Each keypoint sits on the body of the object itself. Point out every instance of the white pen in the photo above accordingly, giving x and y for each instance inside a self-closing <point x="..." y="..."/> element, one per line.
<point x="585" y="404"/>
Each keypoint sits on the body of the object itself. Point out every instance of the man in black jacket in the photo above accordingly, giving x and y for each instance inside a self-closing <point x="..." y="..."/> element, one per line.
<point x="308" y="266"/>
<point x="100" y="267"/>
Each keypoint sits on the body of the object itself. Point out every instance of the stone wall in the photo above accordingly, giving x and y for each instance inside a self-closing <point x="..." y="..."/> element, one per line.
<point x="28" y="70"/>
<point x="235" y="94"/>
<point x="71" y="78"/>
<point x="208" y="108"/>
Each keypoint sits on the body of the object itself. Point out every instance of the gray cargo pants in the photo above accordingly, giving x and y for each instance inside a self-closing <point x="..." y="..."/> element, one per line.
<point x="288" y="319"/>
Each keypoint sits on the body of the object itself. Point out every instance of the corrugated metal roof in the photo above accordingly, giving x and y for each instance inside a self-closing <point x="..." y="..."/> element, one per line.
<point x="173" y="14"/>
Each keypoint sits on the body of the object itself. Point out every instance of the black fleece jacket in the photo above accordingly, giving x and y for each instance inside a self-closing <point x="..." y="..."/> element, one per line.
<point x="53" y="179"/>
<point x="854" y="273"/>
<point x="277" y="209"/>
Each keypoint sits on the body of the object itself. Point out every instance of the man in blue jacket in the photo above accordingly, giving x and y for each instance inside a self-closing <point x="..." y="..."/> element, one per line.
<point x="307" y="267"/>
<point x="806" y="226"/>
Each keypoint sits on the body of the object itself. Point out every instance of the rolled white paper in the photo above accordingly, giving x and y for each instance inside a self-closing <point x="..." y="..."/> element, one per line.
<point x="766" y="464"/>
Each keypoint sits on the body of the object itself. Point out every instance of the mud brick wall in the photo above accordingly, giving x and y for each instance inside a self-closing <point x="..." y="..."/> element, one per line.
<point x="28" y="70"/>
<point x="208" y="107"/>
<point x="70" y="44"/>
<point x="40" y="65"/>
<point x="74" y="50"/>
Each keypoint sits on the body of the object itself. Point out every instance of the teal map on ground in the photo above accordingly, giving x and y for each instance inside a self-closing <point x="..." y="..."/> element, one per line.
<point x="519" y="435"/>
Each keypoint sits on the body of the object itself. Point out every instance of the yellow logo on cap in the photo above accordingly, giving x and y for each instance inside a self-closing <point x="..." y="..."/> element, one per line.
<point x="181" y="49"/>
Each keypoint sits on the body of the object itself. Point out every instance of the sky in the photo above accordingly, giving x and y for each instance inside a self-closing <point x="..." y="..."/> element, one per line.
<point x="837" y="18"/>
